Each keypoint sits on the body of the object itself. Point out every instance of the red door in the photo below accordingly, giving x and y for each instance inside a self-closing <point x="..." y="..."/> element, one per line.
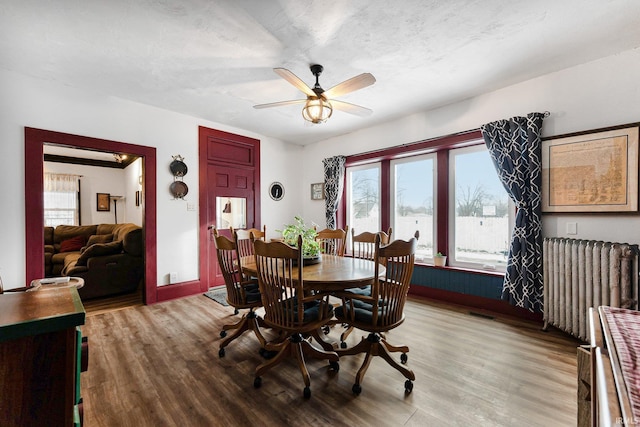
<point x="229" y="175"/>
<point x="227" y="187"/>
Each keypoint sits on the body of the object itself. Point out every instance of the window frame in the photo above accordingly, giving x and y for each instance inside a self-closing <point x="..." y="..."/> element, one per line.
<point x="441" y="146"/>
<point x="347" y="194"/>
<point x="452" y="213"/>
<point x="392" y="193"/>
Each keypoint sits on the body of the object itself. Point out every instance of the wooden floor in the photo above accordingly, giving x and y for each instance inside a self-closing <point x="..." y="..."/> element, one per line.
<point x="158" y="365"/>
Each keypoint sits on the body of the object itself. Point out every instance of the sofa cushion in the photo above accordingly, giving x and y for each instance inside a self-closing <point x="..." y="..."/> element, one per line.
<point x="99" y="238"/>
<point x="99" y="249"/>
<point x="64" y="232"/>
<point x="73" y="244"/>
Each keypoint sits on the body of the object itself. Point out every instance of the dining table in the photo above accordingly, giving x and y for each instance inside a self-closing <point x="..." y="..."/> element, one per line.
<point x="332" y="274"/>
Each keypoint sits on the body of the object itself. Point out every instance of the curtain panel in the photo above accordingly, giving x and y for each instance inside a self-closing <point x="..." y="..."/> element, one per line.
<point x="61" y="183"/>
<point x="333" y="186"/>
<point x="516" y="149"/>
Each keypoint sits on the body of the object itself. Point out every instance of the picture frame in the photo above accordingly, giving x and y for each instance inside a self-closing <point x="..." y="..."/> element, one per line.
<point x="317" y="191"/>
<point x="103" y="202"/>
<point x="138" y="197"/>
<point x="594" y="171"/>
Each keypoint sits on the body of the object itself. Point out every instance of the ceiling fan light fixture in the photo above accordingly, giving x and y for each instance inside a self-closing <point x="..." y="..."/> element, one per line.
<point x="317" y="110"/>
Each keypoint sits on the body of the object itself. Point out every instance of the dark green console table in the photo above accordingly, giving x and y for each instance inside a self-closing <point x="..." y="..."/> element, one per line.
<point x="39" y="352"/>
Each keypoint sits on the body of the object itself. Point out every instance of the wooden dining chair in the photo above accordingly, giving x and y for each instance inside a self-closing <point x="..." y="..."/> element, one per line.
<point x="383" y="310"/>
<point x="363" y="246"/>
<point x="333" y="242"/>
<point x="289" y="309"/>
<point x="241" y="293"/>
<point x="243" y="239"/>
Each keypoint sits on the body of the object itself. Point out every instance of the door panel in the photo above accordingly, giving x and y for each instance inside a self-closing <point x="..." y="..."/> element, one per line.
<point x="226" y="187"/>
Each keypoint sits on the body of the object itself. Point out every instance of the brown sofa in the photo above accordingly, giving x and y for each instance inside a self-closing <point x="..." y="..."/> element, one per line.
<point x="109" y="257"/>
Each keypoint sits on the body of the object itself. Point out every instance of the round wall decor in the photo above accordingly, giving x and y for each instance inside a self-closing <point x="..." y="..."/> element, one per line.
<point x="178" y="168"/>
<point x="179" y="189"/>
<point x="276" y="191"/>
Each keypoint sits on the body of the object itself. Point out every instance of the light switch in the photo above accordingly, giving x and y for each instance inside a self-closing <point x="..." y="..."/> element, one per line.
<point x="572" y="228"/>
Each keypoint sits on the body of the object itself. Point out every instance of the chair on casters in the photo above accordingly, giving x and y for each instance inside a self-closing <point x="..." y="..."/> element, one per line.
<point x="363" y="246"/>
<point x="383" y="310"/>
<point x="243" y="239"/>
<point x="289" y="309"/>
<point x="241" y="293"/>
<point x="333" y="242"/>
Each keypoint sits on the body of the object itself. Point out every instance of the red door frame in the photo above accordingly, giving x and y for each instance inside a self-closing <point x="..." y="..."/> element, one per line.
<point x="34" y="140"/>
<point x="227" y="157"/>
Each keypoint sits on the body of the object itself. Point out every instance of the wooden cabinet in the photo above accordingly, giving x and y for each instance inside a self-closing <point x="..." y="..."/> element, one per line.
<point x="39" y="369"/>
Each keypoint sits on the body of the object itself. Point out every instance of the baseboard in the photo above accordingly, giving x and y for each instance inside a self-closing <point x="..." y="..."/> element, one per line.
<point x="492" y="305"/>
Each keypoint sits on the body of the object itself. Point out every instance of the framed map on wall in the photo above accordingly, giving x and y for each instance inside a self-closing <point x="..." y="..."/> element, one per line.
<point x="595" y="171"/>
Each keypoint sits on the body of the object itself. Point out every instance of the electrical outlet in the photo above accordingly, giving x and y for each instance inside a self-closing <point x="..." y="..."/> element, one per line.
<point x="572" y="228"/>
<point x="191" y="207"/>
<point x="173" y="277"/>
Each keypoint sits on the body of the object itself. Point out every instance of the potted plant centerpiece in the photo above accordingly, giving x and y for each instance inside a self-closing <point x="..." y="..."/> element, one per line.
<point x="310" y="247"/>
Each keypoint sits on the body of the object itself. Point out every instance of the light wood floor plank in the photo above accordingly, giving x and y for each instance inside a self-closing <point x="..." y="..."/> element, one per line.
<point x="158" y="365"/>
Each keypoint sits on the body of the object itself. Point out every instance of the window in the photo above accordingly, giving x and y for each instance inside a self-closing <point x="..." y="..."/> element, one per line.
<point x="480" y="207"/>
<point x="363" y="195"/>
<point x="412" y="202"/>
<point x="61" y="199"/>
<point x="446" y="188"/>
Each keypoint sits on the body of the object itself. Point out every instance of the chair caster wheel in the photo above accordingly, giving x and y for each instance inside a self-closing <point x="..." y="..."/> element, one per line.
<point x="408" y="386"/>
<point x="335" y="366"/>
<point x="223" y="334"/>
<point x="306" y="392"/>
<point x="257" y="382"/>
<point x="403" y="358"/>
<point x="343" y="344"/>
<point x="221" y="352"/>
<point x="356" y="389"/>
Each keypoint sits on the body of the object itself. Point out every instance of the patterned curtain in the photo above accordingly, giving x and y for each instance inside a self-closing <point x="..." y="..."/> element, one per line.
<point x="333" y="186"/>
<point x="515" y="147"/>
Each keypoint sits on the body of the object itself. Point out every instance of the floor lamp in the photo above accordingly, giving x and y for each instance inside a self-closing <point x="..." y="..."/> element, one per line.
<point x="115" y="205"/>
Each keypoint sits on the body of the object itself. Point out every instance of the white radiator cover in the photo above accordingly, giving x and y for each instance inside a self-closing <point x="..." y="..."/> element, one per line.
<point x="579" y="274"/>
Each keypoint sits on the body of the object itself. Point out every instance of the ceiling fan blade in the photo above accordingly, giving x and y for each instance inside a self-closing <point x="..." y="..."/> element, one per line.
<point x="351" y="108"/>
<point x="294" y="80"/>
<point x="280" y="104"/>
<point x="358" y="82"/>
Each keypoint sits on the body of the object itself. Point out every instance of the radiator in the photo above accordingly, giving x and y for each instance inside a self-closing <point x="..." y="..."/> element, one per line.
<point x="579" y="274"/>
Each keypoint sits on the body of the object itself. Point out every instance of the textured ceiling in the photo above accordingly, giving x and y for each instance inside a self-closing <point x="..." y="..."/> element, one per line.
<point x="215" y="59"/>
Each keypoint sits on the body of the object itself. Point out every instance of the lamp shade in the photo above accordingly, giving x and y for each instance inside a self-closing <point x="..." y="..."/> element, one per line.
<point x="317" y="110"/>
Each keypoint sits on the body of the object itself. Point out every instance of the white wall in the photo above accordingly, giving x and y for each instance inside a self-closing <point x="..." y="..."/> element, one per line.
<point x="28" y="102"/>
<point x="599" y="94"/>
<point x="133" y="183"/>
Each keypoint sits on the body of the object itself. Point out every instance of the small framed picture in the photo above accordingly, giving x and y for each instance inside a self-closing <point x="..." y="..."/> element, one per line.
<point x="317" y="191"/>
<point x="103" y="202"/>
<point x="138" y="198"/>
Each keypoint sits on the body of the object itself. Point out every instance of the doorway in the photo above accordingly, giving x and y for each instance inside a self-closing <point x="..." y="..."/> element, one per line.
<point x="35" y="139"/>
<point x="229" y="192"/>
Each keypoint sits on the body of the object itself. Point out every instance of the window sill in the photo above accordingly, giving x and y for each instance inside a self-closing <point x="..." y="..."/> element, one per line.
<point x="464" y="269"/>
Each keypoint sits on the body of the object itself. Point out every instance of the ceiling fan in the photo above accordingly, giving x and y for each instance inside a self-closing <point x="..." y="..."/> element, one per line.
<point x="319" y="104"/>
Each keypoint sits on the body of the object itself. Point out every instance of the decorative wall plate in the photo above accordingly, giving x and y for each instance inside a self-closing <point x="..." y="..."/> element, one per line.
<point x="179" y="189"/>
<point x="178" y="167"/>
